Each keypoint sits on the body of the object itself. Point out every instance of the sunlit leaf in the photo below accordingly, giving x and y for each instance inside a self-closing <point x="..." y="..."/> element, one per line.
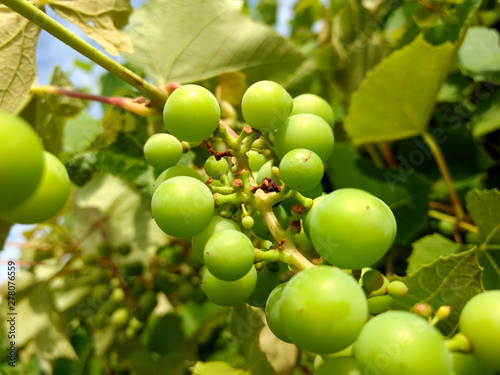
<point x="99" y="19"/>
<point x="191" y="40"/>
<point x="18" y="39"/>
<point x="427" y="249"/>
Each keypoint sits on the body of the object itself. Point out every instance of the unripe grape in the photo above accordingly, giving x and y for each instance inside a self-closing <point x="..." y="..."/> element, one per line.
<point x="315" y="105"/>
<point x="372" y="280"/>
<point x="273" y="313"/>
<point x="268" y="278"/>
<point x="379" y="304"/>
<point x="467" y="364"/>
<point x="301" y="169"/>
<point x="397" y="289"/>
<point x="216" y="168"/>
<point x="339" y="366"/>
<point x="117" y="295"/>
<point x="124" y="249"/>
<point x="351" y="228"/>
<point x="145" y="305"/>
<point x="229" y="293"/>
<point x="162" y="151"/>
<point x="480" y="322"/>
<point x="49" y="197"/>
<point x="191" y="113"/>
<point x="401" y="343"/>
<point x="305" y="131"/>
<point x="260" y="227"/>
<point x="247" y="222"/>
<point x="104" y="249"/>
<point x="21" y="161"/>
<point x="182" y="206"/>
<point x="175" y="171"/>
<point x="330" y="301"/>
<point x="229" y="255"/>
<point x="120" y="317"/>
<point x="266" y="106"/>
<point x="216" y="225"/>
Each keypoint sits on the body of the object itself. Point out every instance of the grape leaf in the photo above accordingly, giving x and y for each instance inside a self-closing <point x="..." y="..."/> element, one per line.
<point x="486" y="119"/>
<point x="18" y="38"/>
<point x="484" y="208"/>
<point x="191" y="40"/>
<point x="427" y="249"/>
<point x="407" y="193"/>
<point x="126" y="214"/>
<point x="448" y="281"/>
<point x="48" y="113"/>
<point x="99" y="19"/>
<point x="479" y="55"/>
<point x="246" y="323"/>
<point x="40" y="323"/>
<point x="396" y="99"/>
<point x="219" y="368"/>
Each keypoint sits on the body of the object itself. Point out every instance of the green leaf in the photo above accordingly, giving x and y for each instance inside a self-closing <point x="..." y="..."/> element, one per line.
<point x="479" y="55"/>
<point x="125" y="213"/>
<point x="427" y="249"/>
<point x="246" y="323"/>
<point x="216" y="368"/>
<point x="406" y="192"/>
<point x="397" y="97"/>
<point x="191" y="40"/>
<point x="449" y="281"/>
<point x="487" y="118"/>
<point x="38" y="321"/>
<point x="80" y="132"/>
<point x="48" y="113"/>
<point x="484" y="208"/>
<point x="99" y="19"/>
<point x="18" y="39"/>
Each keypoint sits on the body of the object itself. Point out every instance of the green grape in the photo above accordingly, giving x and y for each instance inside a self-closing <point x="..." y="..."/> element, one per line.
<point x="351" y="228"/>
<point x="229" y="255"/>
<point x="191" y="113"/>
<point x="314" y="105"/>
<point x="315" y="192"/>
<point x="330" y="302"/>
<point x="216" y="225"/>
<point x="339" y="366"/>
<point x="104" y="249"/>
<point x="397" y="289"/>
<point x="182" y="206"/>
<point x="117" y="295"/>
<point x="372" y="280"/>
<point x="306" y="219"/>
<point x="305" y="131"/>
<point x="133" y="268"/>
<point x="480" y="322"/>
<point x="49" y="197"/>
<point x="467" y="364"/>
<point x="21" y="161"/>
<point x="229" y="293"/>
<point x="247" y="222"/>
<point x="175" y="171"/>
<point x="120" y="317"/>
<point x="401" y="343"/>
<point x="266" y="106"/>
<point x="260" y="227"/>
<point x="267" y="171"/>
<point x="256" y="160"/>
<point x="273" y="313"/>
<point x="304" y="245"/>
<point x="268" y="278"/>
<point x="162" y="151"/>
<point x="446" y="228"/>
<point x="124" y="249"/>
<point x="216" y="168"/>
<point x="379" y="304"/>
<point x="145" y="305"/>
<point x="301" y="169"/>
<point x="472" y="238"/>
